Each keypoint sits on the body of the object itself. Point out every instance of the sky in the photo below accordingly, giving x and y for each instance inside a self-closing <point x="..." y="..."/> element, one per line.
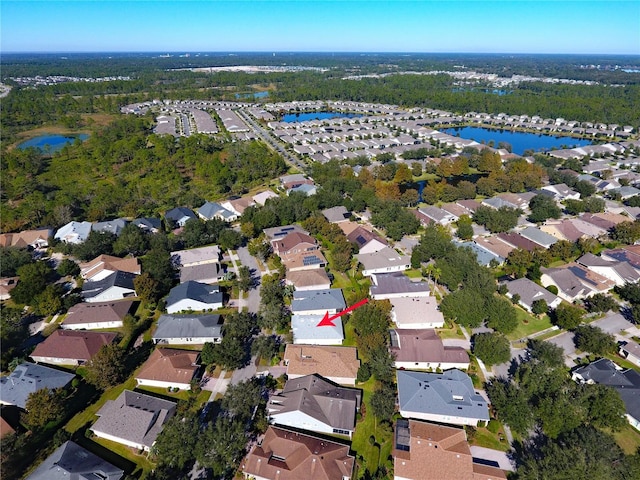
<point x="474" y="26"/>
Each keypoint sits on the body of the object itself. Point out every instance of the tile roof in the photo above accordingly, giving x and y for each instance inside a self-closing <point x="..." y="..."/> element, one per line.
<point x="286" y="455"/>
<point x="170" y="365"/>
<point x="111" y="263"/>
<point x="328" y="361"/>
<point x="424" y="345"/>
<point x="28" y="378"/>
<point x="77" y="345"/>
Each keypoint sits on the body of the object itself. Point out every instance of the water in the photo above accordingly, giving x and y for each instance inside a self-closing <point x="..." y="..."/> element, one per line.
<point x="493" y="91"/>
<point x="519" y="141"/>
<point x="51" y="143"/>
<point x="252" y="95"/>
<point x="303" y="117"/>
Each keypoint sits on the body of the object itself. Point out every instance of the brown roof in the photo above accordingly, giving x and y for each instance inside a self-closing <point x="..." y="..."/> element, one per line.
<point x="328" y="361"/>
<point x="470" y="205"/>
<point x="300" y="260"/>
<point x="349" y="226"/>
<point x="5" y="428"/>
<point x="361" y="236"/>
<point x="108" y="262"/>
<point x="73" y="344"/>
<point x="24" y="238"/>
<point x="308" y="278"/>
<point x="287" y="455"/>
<point x="438" y="453"/>
<point x="241" y="204"/>
<point x="495" y="245"/>
<point x="291" y="241"/>
<point x="603" y="223"/>
<point x="170" y="365"/>
<point x="425" y="346"/>
<point x="455" y="209"/>
<point x="97" y="312"/>
<point x="518" y="241"/>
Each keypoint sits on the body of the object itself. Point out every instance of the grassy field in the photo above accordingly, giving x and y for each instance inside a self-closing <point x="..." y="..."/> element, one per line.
<point x="453" y="332"/>
<point x="484" y="438"/>
<point x="628" y="439"/>
<point x="376" y="454"/>
<point x="528" y="324"/>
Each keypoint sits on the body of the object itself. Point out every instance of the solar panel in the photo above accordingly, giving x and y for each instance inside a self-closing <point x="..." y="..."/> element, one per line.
<point x="311" y="260"/>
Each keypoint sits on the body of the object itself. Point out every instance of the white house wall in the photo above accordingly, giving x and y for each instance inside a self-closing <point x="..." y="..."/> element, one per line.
<point x="317" y="341"/>
<point x="442" y="418"/>
<point x="113" y="293"/>
<point x="91" y="326"/>
<point x="160" y="384"/>
<point x="122" y="441"/>
<point x="301" y="420"/>
<point x="398" y="268"/>
<point x="430" y="365"/>
<point x="187" y="341"/>
<point x="56" y="360"/>
<point x="187" y="305"/>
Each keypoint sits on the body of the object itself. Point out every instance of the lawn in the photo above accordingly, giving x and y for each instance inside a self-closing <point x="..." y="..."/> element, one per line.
<point x="628" y="439"/>
<point x="528" y="324"/>
<point x="484" y="438"/>
<point x="203" y="396"/>
<point x="372" y="455"/>
<point x="452" y="332"/>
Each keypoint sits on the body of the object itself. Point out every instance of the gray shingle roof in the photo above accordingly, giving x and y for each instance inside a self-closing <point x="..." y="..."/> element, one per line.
<point x="196" y="291"/>
<point x="116" y="279"/>
<point x="110" y="226"/>
<point x="538" y="236"/>
<point x="73" y="462"/>
<point x="188" y="326"/>
<point x="450" y="393"/>
<point x="305" y="329"/>
<point x="530" y="291"/>
<point x="329" y="299"/>
<point x="177" y="213"/>
<point x="28" y="378"/>
<point x="396" y="283"/>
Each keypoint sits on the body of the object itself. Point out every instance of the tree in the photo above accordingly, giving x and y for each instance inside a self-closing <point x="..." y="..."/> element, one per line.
<point x="13" y="258"/>
<point x="543" y="207"/>
<point x="501" y="316"/>
<point x="464" y="306"/>
<point x="539" y="307"/>
<point x="132" y="240"/>
<point x="33" y="281"/>
<point x="567" y="316"/>
<point x="601" y="303"/>
<point x="584" y="188"/>
<point x="563" y="249"/>
<point x="157" y="263"/>
<point x="383" y="401"/>
<point x="518" y="262"/>
<point x="147" y="288"/>
<point x="68" y="267"/>
<point x="465" y="228"/>
<point x="626" y="232"/>
<point x="207" y="355"/>
<point x="489" y="161"/>
<point x="511" y="405"/>
<point x="491" y="348"/>
<point x="265" y="346"/>
<point x="43" y="406"/>
<point x="240" y="400"/>
<point x="49" y="302"/>
<point x="221" y="446"/>
<point x="605" y="408"/>
<point x="594" y="340"/>
<point x="245" y="279"/>
<point x="546" y="352"/>
<point x="107" y="368"/>
<point x="97" y="243"/>
<point x="176" y="443"/>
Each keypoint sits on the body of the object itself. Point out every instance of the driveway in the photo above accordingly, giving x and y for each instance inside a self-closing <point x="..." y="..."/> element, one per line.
<point x="244" y="373"/>
<point x="502" y="370"/>
<point x="253" y="295"/>
<point x="493" y="457"/>
<point x="614" y="324"/>
<point x="565" y="340"/>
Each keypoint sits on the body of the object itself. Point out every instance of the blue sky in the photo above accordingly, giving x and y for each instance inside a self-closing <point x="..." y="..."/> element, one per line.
<point x="508" y="26"/>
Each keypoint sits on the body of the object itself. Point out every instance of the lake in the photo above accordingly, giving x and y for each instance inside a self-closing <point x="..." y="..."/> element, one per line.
<point x="252" y="95"/>
<point x="520" y="141"/>
<point x="51" y="143"/>
<point x="303" y="117"/>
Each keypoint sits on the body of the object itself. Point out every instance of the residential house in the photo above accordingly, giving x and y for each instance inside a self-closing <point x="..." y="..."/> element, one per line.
<point x="294" y="180"/>
<point x="318" y="302"/>
<point x="624" y="192"/>
<point x="6" y="285"/>
<point x="588" y="229"/>
<point x="307" y="331"/>
<point x="116" y="286"/>
<point x="338" y="364"/>
<point x="262" y="197"/>
<point x="74" y="232"/>
<point x="497" y="203"/>
<point x="562" y="192"/>
<point x="71" y="347"/>
<point x="211" y="210"/>
<point x="287" y="455"/>
<point x="308" y="190"/>
<point x="90" y="316"/>
<point x="314" y="279"/>
<point x="471" y="205"/>
<point x="308" y="260"/>
<point x="396" y="285"/>
<point x="575" y="282"/>
<point x="423" y="350"/>
<point x="179" y="216"/>
<point x="447" y="397"/>
<point x="196" y="256"/>
<point x="562" y="230"/>
<point x="294" y="242"/>
<point x="538" y="237"/>
<point x="492" y="244"/>
<point x="185" y="329"/>
<point x="277" y="233"/>
<point x="28" y="378"/>
<point x="456" y="210"/>
<point x="104" y="265"/>
<point x="631" y="351"/>
<point x="133" y="419"/>
<point x="483" y="255"/>
<point x="316" y="404"/>
<point x="626" y="382"/>
<point x="237" y="206"/>
<point x="110" y="226"/>
<point x="366" y="241"/>
<point x="416" y="312"/>
<point x="169" y="368"/>
<point x="627" y="253"/>
<point x="5" y="428"/>
<point x="528" y="292"/>
<point x="194" y="296"/>
<point x="336" y="214"/>
<point x="386" y="260"/>
<point x="616" y="271"/>
<point x="518" y="241"/>
<point x="71" y="461"/>
<point x="34" y="239"/>
<point x="438" y="215"/>
<point x="150" y="225"/>
<point x="427" y="451"/>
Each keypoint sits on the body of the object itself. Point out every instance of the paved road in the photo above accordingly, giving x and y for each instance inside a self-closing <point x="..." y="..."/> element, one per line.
<point x="253" y="298"/>
<point x="216" y="385"/>
<point x="244" y="373"/>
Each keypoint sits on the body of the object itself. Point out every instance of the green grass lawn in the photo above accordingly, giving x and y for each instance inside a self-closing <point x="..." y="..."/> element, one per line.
<point x="484" y="438"/>
<point x="377" y="454"/>
<point x="413" y="273"/>
<point x="452" y="332"/>
<point x="528" y="324"/>
<point x="203" y="396"/>
<point x="628" y="439"/>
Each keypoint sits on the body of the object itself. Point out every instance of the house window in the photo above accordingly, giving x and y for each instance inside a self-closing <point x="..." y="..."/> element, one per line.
<point x="341" y="432"/>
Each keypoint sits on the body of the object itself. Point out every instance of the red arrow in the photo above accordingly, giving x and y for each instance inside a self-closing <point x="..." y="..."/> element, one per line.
<point x="327" y="321"/>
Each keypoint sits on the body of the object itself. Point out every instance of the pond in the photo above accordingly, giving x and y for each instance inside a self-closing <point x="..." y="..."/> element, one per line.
<point x="303" y="117"/>
<point x="50" y="143"/>
<point x="519" y="141"/>
<point x="253" y="95"/>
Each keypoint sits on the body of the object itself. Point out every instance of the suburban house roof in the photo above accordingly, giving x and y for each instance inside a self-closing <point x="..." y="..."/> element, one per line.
<point x="188" y="326"/>
<point x="319" y="398"/>
<point x="483" y="255"/>
<point x="290" y="241"/>
<point x="494" y="245"/>
<point x="306" y="330"/>
<point x="437" y="214"/>
<point x="110" y="226"/>
<point x="307" y="188"/>
<point x="308" y="278"/>
<point x="26" y="238"/>
<point x="328" y="361"/>
<point x="336" y="214"/>
<point x="204" y="273"/>
<point x="625" y="382"/>
<point x="623" y="269"/>
<point x="110" y="263"/>
<point x="538" y="236"/>
<point x="450" y="393"/>
<point x="428" y="451"/>
<point x="330" y="299"/>
<point x="97" y="312"/>
<point x="170" y="365"/>
<point x="116" y="279"/>
<point x="74" y="232"/>
<point x="179" y="213"/>
<point x="455" y="209"/>
<point x="212" y="209"/>
<point x="286" y="455"/>
<point x="262" y="197"/>
<point x="27" y="378"/>
<point x="209" y="294"/>
<point x="295" y="178"/>
<point x="518" y="241"/>
<point x="397" y="283"/>
<point x="70" y="461"/>
<point x="385" y="258"/>
<point x="134" y="417"/>
<point x="631" y="347"/>
<point x="305" y="260"/>
<point x="210" y="254"/>
<point x="530" y="291"/>
<point x="275" y="233"/>
<point x="148" y="223"/>
<point x="598" y="221"/>
<point x="570" y="277"/>
<point x="565" y="228"/>
<point x="361" y="236"/>
<point x="624" y="254"/>
<point x="470" y="205"/>
<point x="75" y="345"/>
<point x="408" y="311"/>
<point x="424" y="345"/>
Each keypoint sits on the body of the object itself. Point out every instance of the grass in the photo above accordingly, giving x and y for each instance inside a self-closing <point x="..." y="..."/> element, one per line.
<point x="484" y="438"/>
<point x="413" y="273"/>
<point x="377" y="454"/>
<point x="623" y="362"/>
<point x="128" y="453"/>
<point x="628" y="439"/>
<point x="203" y="396"/>
<point x="451" y="332"/>
<point x="528" y="324"/>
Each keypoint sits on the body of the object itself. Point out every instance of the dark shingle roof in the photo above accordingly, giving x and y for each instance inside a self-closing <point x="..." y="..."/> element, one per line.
<point x="28" y="378"/>
<point x="195" y="291"/>
<point x="116" y="279"/>
<point x="188" y="326"/>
